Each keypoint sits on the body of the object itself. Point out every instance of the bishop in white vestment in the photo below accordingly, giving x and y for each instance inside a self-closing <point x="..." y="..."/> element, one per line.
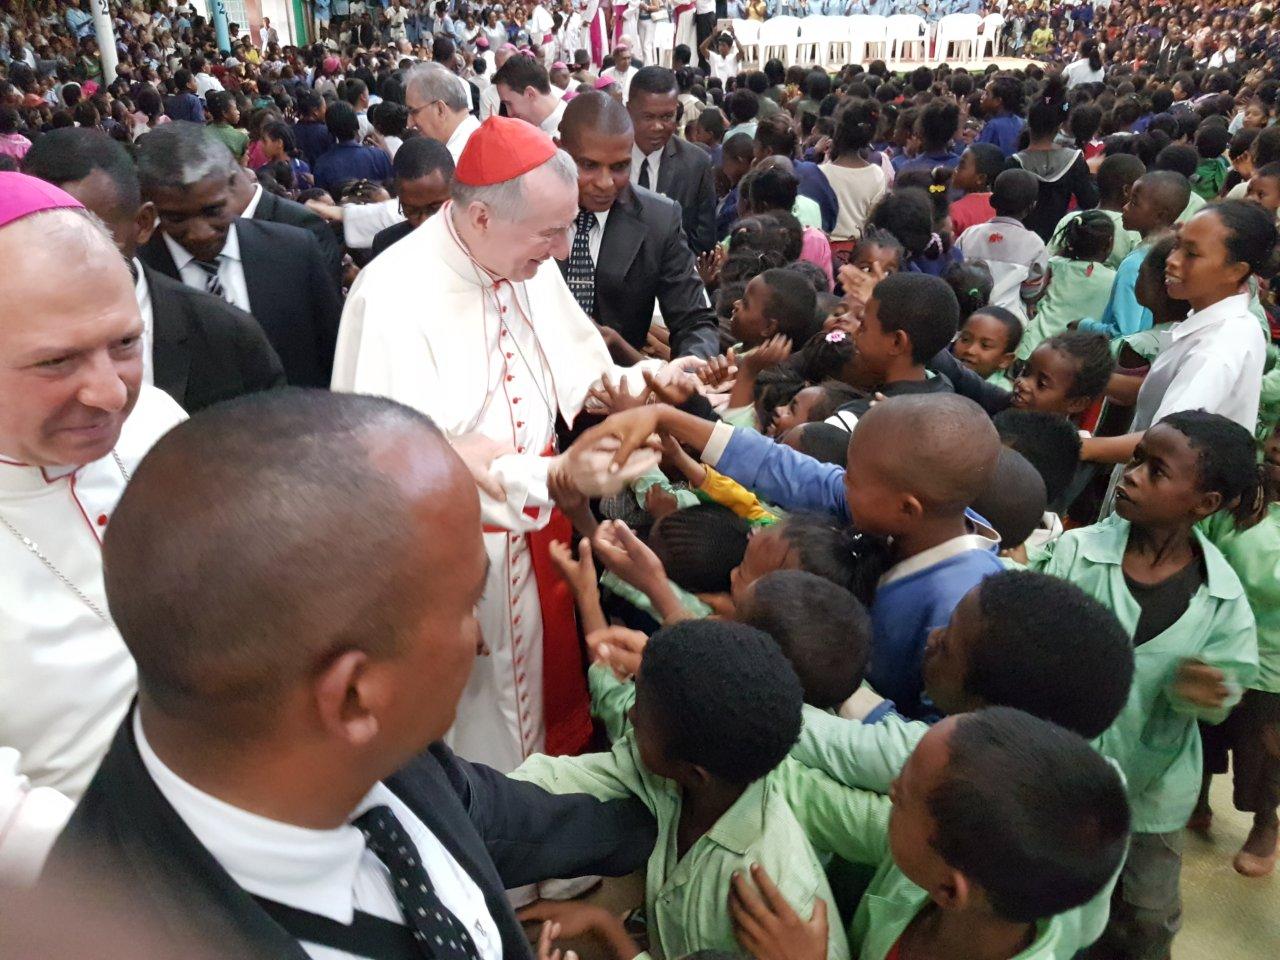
<point x="474" y="326"/>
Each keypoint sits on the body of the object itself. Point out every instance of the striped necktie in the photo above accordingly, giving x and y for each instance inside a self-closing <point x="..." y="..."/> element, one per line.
<point x="582" y="271"/>
<point x="212" y="284"/>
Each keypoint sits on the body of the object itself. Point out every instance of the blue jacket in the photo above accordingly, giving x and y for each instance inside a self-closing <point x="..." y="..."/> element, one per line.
<point x="1003" y="130"/>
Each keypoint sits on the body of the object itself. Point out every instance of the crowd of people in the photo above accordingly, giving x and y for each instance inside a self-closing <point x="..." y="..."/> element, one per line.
<point x="459" y="458"/>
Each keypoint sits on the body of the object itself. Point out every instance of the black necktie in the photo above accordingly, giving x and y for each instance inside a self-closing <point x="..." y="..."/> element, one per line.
<point x="582" y="271"/>
<point x="644" y="173"/>
<point x="436" y="929"/>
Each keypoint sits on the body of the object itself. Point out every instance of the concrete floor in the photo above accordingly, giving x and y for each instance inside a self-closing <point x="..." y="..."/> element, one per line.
<point x="1225" y="916"/>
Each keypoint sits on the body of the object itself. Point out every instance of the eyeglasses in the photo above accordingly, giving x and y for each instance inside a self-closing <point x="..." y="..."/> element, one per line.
<point x="414" y="112"/>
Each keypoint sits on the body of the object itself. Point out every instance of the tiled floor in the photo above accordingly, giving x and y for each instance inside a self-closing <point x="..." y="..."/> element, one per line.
<point x="1225" y="915"/>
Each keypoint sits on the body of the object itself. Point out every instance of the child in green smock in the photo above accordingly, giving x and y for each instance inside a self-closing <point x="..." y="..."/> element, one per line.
<point x="717" y="707"/>
<point x="1001" y="825"/>
<point x="1252" y="732"/>
<point x="987" y="342"/>
<point x="1194" y="638"/>
<point x="1079" y="282"/>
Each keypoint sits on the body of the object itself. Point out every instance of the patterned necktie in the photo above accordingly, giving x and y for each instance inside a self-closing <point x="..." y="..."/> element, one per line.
<point x="441" y="934"/>
<point x="582" y="271"/>
<point x="644" y="173"/>
<point x="211" y="282"/>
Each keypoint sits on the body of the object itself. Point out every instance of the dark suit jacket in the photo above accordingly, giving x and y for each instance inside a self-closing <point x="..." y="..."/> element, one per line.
<point x="282" y="210"/>
<point x="1169" y="58"/>
<point x="685" y="175"/>
<point x="644" y="258"/>
<point x="502" y="832"/>
<point x="292" y="294"/>
<point x="203" y="349"/>
<point x="385" y="238"/>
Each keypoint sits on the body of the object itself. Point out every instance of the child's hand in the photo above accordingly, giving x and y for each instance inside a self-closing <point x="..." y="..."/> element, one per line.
<point x="719" y="369"/>
<point x="1201" y="685"/>
<point x="768" y="928"/>
<point x="660" y="502"/>
<point x="709" y="265"/>
<point x="616" y="399"/>
<point x="678" y="459"/>
<point x="619" y="649"/>
<point x="571" y="919"/>
<point x="858" y="284"/>
<point x="580" y="574"/>
<point x="769" y="354"/>
<point x="628" y="556"/>
<point x="675" y="389"/>
<point x="572" y="502"/>
<point x="550" y="932"/>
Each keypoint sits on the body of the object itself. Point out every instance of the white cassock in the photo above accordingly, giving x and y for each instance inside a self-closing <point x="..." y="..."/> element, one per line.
<point x="66" y="678"/>
<point x="426" y="325"/>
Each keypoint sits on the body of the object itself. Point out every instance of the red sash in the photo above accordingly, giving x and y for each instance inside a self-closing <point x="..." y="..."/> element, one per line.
<point x="682" y="9"/>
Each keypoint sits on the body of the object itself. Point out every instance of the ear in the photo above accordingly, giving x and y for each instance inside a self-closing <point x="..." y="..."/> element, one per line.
<point x="145" y="222"/>
<point x="1210" y="503"/>
<point x="345" y="698"/>
<point x="770" y="328"/>
<point x="953" y="891"/>
<point x="911" y="507"/>
<point x="1006" y="360"/>
<point x="1078" y="405"/>
<point x="901" y="342"/>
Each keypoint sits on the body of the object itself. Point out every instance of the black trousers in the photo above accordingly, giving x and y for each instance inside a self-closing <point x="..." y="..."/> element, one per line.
<point x="703" y="24"/>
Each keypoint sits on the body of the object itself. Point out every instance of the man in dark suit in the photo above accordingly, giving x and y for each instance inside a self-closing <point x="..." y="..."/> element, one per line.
<point x="424" y="180"/>
<point x="1172" y="51"/>
<point x="275" y="271"/>
<point x="683" y="171"/>
<point x="255" y="203"/>
<point x="280" y="785"/>
<point x="628" y="250"/>
<point x="198" y="348"/>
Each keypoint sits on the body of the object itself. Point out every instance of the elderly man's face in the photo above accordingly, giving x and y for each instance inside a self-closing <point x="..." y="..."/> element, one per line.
<point x="515" y="249"/>
<point x="71" y="358"/>
<point x="197" y="217"/>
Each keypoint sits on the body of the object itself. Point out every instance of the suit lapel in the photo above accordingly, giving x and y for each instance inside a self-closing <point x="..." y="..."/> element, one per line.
<point x="171" y="329"/>
<point x="255" y="262"/>
<point x="623" y="235"/>
<point x="667" y="169"/>
<point x="266" y="207"/>
<point x="156" y="254"/>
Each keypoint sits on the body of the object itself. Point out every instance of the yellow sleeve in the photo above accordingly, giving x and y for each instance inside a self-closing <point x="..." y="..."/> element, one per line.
<point x="735" y="496"/>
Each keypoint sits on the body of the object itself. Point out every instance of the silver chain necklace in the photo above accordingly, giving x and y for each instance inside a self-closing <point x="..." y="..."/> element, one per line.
<point x="52" y="567"/>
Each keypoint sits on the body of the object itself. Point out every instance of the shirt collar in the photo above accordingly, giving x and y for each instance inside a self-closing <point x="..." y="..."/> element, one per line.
<point x="741" y="825"/>
<point x="651" y="157"/>
<point x="1104" y="542"/>
<point x="182" y="256"/>
<point x="313" y="870"/>
<point x="1214" y="313"/>
<point x="943" y="551"/>
<point x="252" y="206"/>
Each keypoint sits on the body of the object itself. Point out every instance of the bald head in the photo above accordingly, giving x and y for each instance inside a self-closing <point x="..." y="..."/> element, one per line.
<point x="269" y="535"/>
<point x="1170" y="192"/>
<point x="940" y="448"/>
<point x="593" y="114"/>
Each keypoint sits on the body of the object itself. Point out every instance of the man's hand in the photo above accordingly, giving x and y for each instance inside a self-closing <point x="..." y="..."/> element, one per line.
<point x="628" y="556"/>
<point x="675" y="389"/>
<point x="580" y="574"/>
<point x="1201" y="685"/>
<point x="766" y="925"/>
<point x="619" y="649"/>
<point x="575" y="919"/>
<point x="478" y="452"/>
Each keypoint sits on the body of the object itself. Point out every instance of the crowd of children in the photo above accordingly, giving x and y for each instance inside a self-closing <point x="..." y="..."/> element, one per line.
<point x="889" y="603"/>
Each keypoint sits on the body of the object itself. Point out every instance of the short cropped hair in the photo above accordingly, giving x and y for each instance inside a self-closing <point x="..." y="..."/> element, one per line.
<point x="821" y="628"/>
<point x="791" y="303"/>
<point x="1049" y="441"/>
<point x="700" y="546"/>
<point x="1014" y="193"/>
<point x="1014" y="501"/>
<point x="727" y="698"/>
<point x="73" y="153"/>
<point x="520" y="72"/>
<point x="923" y="307"/>
<point x="1029" y="812"/>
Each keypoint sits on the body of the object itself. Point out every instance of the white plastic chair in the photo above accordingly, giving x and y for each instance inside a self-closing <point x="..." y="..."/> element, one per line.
<point x="959" y="30"/>
<point x="866" y="34"/>
<point x="664" y="42"/>
<point x="903" y="31"/>
<point x="779" y="37"/>
<point x="822" y="40"/>
<point x="989" y="31"/>
<point x="748" y="34"/>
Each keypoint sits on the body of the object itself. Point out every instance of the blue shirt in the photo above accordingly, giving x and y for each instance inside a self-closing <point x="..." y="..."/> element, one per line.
<point x="815" y="186"/>
<point x="925" y="161"/>
<point x="313" y="139"/>
<point x="185" y="106"/>
<point x="351" y="161"/>
<point x="1124" y="314"/>
<point x="914" y="597"/>
<point x="1003" y="130"/>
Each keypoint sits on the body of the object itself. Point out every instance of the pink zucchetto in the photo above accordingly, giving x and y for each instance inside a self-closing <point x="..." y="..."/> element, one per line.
<point x="21" y="196"/>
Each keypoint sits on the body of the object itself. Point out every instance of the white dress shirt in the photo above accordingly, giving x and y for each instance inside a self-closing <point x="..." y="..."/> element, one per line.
<point x="143" y="292"/>
<point x="655" y="161"/>
<point x="596" y="236"/>
<point x="551" y="124"/>
<point x="622" y="79"/>
<point x="206" y="83"/>
<point x="327" y="872"/>
<point x="457" y="141"/>
<point x="1212" y="361"/>
<point x="252" y="207"/>
<point x="230" y="269"/>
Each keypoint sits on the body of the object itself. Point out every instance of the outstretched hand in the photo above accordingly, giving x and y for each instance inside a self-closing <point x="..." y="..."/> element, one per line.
<point x="628" y="557"/>
<point x="766" y="925"/>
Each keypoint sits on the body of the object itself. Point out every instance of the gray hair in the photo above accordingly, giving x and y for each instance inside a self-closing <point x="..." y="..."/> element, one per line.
<point x="432" y="82"/>
<point x="506" y="200"/>
<point x="180" y="154"/>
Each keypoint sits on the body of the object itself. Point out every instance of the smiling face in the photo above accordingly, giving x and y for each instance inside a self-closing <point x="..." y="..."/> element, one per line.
<point x="797" y="411"/>
<point x="515" y="249"/>
<point x="196" y="217"/>
<point x="1264" y="191"/>
<point x="1200" y="269"/>
<point x="1046" y="382"/>
<point x="983" y="345"/>
<point x="1161" y="484"/>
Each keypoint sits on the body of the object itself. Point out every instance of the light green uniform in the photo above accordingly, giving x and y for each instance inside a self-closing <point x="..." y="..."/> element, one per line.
<point x="1077" y="289"/>
<point x="854" y="825"/>
<point x="1121" y="247"/>
<point x="1194" y="206"/>
<point x="870" y="755"/>
<point x="1254" y="555"/>
<point x="1155" y="738"/>
<point x="687" y="898"/>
